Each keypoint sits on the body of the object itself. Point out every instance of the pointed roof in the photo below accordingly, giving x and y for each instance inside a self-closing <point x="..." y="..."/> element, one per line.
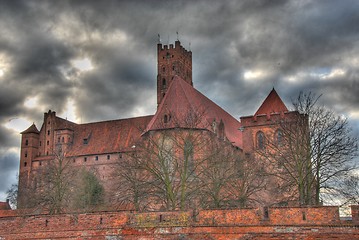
<point x="185" y="107"/>
<point x="272" y="104"/>
<point x="31" y="129"/>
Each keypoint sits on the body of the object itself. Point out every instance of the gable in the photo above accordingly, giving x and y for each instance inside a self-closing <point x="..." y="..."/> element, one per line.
<point x="185" y="107"/>
<point x="272" y="104"/>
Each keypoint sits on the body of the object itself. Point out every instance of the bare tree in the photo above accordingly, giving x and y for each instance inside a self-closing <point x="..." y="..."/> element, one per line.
<point x="315" y="150"/>
<point x="167" y="163"/>
<point x="186" y="165"/>
<point x="247" y="180"/>
<point x="53" y="189"/>
<point x="217" y="173"/>
<point x="12" y="193"/>
<point x="132" y="184"/>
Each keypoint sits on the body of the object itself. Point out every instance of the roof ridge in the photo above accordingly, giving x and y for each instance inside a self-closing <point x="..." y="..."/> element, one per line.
<point x="114" y="120"/>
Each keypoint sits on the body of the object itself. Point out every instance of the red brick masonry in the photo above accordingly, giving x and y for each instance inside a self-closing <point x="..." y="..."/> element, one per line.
<point x="271" y="223"/>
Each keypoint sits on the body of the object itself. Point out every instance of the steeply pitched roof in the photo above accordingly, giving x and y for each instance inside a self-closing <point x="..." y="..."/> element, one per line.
<point x="108" y="136"/>
<point x="185" y="107"/>
<point x="31" y="129"/>
<point x="272" y="104"/>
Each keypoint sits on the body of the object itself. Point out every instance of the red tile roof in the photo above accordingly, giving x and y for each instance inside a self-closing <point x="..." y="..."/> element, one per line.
<point x="107" y="137"/>
<point x="185" y="107"/>
<point x="31" y="129"/>
<point x="272" y="104"/>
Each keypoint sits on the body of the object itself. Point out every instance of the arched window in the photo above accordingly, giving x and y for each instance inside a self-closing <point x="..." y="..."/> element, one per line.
<point x="188" y="155"/>
<point x="260" y="140"/>
<point x="279" y="137"/>
<point x="164" y="82"/>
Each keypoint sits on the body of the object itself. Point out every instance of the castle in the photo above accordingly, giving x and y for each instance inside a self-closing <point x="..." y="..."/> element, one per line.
<point x="100" y="146"/>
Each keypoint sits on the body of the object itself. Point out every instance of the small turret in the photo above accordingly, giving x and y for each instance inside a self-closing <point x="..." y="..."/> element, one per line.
<point x="29" y="147"/>
<point x="29" y="150"/>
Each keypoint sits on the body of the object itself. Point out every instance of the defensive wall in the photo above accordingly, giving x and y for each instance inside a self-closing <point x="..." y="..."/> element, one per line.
<point x="260" y="223"/>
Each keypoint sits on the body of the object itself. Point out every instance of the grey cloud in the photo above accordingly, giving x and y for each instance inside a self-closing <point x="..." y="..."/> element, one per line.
<point x="9" y="164"/>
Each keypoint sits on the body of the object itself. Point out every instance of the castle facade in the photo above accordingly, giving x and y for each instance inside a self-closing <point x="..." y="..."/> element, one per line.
<point x="102" y="146"/>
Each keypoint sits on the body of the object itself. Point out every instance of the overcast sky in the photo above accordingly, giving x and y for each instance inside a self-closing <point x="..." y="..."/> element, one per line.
<point x="96" y="60"/>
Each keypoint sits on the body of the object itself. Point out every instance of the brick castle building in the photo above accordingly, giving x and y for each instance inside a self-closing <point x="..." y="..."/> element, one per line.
<point x="100" y="146"/>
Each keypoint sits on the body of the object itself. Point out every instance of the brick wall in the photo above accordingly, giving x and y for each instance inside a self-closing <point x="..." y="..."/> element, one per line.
<point x="274" y="223"/>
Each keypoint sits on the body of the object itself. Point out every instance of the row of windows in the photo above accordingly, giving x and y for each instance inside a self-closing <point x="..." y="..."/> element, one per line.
<point x="261" y="139"/>
<point x="96" y="158"/>
<point x="164" y="68"/>
<point x="74" y="160"/>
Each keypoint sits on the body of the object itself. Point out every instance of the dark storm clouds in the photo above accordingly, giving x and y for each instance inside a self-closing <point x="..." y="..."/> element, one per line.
<point x="241" y="49"/>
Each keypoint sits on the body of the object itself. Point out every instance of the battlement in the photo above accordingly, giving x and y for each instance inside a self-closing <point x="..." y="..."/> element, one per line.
<point x="178" y="47"/>
<point x="266" y="119"/>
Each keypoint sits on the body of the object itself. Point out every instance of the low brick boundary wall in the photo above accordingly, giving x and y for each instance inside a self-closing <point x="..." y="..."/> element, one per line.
<point x="267" y="223"/>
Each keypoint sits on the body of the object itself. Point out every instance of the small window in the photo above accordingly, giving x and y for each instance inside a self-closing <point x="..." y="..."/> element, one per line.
<point x="266" y="213"/>
<point x="164" y="82"/>
<point x="47" y="153"/>
<point x="279" y="137"/>
<point x="26" y="142"/>
<point x="260" y="140"/>
<point x="96" y="158"/>
<point x="85" y="159"/>
<point x="26" y="154"/>
<point x="63" y="139"/>
<point x="86" y="141"/>
<point x="74" y="160"/>
<point x="48" y="132"/>
<point x="173" y="67"/>
<point x="165" y="119"/>
<point x="120" y="156"/>
<point x="108" y="157"/>
<point x="58" y="139"/>
<point x="48" y="122"/>
<point x="40" y="163"/>
<point x="48" y="143"/>
<point x="25" y="164"/>
<point x="163" y="69"/>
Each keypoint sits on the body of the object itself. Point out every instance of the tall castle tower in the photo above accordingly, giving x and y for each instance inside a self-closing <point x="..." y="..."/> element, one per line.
<point x="172" y="61"/>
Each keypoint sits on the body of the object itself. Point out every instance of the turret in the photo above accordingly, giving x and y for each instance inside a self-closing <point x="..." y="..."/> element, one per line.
<point x="29" y="151"/>
<point x="47" y="133"/>
<point x="29" y="147"/>
<point x="172" y="61"/>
